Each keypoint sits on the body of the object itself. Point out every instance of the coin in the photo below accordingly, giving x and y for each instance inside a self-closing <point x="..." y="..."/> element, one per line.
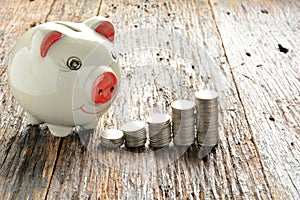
<point x="206" y="95"/>
<point x="159" y="130"/>
<point x="183" y="118"/>
<point x="112" y="138"/>
<point x="135" y="134"/>
<point x="207" y="117"/>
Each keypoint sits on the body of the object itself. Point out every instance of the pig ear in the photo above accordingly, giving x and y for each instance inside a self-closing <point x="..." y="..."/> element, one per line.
<point x="48" y="41"/>
<point x="107" y="30"/>
<point x="103" y="26"/>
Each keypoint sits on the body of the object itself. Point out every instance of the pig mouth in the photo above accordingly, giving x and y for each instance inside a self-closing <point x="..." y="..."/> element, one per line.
<point x="81" y="108"/>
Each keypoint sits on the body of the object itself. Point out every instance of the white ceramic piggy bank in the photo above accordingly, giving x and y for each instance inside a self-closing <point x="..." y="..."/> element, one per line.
<point x="65" y="74"/>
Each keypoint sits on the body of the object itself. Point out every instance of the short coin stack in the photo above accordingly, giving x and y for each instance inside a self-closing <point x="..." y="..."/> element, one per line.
<point x="183" y="127"/>
<point x="112" y="138"/>
<point x="207" y="117"/>
<point x="135" y="134"/>
<point x="159" y="130"/>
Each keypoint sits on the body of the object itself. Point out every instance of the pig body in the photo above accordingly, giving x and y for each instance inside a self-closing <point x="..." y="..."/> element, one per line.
<point x="65" y="74"/>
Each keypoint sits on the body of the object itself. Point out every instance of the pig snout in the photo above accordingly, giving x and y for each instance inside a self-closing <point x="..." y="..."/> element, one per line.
<point x="104" y="88"/>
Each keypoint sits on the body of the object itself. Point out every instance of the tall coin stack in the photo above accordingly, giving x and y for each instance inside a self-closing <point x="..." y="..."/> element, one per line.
<point x="183" y="127"/>
<point x="135" y="134"/>
<point x="159" y="130"/>
<point x="207" y="117"/>
<point x="112" y="138"/>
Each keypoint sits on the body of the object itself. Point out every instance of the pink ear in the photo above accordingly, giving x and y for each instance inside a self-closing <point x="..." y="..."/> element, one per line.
<point x="107" y="30"/>
<point x="48" y="41"/>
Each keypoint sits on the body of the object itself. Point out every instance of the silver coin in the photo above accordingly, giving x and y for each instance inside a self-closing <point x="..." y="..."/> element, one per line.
<point x="112" y="138"/>
<point x="204" y="140"/>
<point x="183" y="118"/>
<point x="133" y="126"/>
<point x="207" y="117"/>
<point x="159" y="130"/>
<point x="135" y="133"/>
<point x="159" y="118"/>
<point x="207" y="95"/>
<point x="183" y="106"/>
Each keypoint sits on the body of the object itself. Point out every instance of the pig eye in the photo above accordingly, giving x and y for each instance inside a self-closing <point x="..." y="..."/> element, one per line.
<point x="74" y="63"/>
<point x="113" y="55"/>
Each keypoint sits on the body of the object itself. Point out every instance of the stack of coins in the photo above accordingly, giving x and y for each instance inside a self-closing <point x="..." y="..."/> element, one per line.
<point x="159" y="130"/>
<point x="112" y="138"/>
<point x="207" y="117"/>
<point x="183" y="127"/>
<point x="135" y="134"/>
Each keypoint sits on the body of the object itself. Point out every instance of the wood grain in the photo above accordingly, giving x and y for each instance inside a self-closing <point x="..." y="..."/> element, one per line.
<point x="267" y="82"/>
<point x="168" y="50"/>
<point x="27" y="153"/>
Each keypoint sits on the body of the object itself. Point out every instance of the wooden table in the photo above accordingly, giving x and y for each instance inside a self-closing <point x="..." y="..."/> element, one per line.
<point x="253" y="48"/>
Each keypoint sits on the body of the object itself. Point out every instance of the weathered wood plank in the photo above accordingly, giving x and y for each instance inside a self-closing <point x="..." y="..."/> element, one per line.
<point x="75" y="11"/>
<point x="268" y="82"/>
<point x="233" y="170"/>
<point x="27" y="155"/>
<point x="35" y="165"/>
<point x="29" y="164"/>
<point x="67" y="178"/>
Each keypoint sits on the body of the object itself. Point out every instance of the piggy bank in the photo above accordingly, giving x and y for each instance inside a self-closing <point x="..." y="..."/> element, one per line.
<point x="65" y="74"/>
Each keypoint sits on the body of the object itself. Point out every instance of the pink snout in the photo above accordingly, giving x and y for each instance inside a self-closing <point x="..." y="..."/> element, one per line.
<point x="104" y="88"/>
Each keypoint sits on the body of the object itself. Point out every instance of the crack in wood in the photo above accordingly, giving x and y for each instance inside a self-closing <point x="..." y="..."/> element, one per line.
<point x="50" y="10"/>
<point x="99" y="8"/>
<point x="55" y="165"/>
